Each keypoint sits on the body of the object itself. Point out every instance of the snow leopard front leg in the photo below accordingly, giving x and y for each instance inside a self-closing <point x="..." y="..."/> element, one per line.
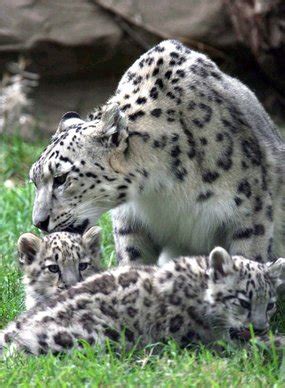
<point x="255" y="242"/>
<point x="132" y="242"/>
<point x="252" y="235"/>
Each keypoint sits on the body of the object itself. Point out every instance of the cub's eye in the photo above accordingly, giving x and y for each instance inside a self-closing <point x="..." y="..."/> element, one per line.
<point x="244" y="304"/>
<point x="59" y="180"/>
<point x="53" y="268"/>
<point x="270" y="306"/>
<point x="82" y="266"/>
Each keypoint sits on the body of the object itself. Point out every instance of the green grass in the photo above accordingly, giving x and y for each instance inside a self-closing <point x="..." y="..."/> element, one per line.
<point x="170" y="367"/>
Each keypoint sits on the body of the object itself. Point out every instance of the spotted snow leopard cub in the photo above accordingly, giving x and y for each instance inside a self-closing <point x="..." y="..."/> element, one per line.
<point x="185" y="156"/>
<point x="56" y="262"/>
<point x="190" y="299"/>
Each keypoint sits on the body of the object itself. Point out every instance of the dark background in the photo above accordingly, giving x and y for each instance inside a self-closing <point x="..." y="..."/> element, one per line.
<point x="81" y="48"/>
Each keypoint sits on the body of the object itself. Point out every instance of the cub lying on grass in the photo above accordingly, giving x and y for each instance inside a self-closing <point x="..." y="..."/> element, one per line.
<point x="57" y="261"/>
<point x="190" y="299"/>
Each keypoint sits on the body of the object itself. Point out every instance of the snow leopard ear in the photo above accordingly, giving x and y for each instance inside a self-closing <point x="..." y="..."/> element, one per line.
<point x="221" y="263"/>
<point x="276" y="272"/>
<point x="28" y="247"/>
<point x="115" y="131"/>
<point x="68" y="119"/>
<point x="92" y="240"/>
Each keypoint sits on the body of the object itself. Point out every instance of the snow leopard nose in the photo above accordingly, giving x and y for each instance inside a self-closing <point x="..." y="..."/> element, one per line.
<point x="261" y="329"/>
<point x="69" y="277"/>
<point x="43" y="225"/>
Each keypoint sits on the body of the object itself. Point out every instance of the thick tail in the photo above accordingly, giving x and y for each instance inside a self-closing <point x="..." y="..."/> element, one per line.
<point x="279" y="205"/>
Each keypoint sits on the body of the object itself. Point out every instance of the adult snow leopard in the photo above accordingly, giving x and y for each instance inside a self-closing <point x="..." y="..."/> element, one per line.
<point x="183" y="154"/>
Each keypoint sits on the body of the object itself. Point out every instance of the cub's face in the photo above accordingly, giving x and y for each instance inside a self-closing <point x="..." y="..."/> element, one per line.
<point x="79" y="176"/>
<point x="57" y="261"/>
<point x="242" y="293"/>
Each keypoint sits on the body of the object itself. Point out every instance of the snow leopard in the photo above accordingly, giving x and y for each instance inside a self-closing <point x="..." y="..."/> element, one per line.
<point x="56" y="262"/>
<point x="191" y="300"/>
<point x="183" y="155"/>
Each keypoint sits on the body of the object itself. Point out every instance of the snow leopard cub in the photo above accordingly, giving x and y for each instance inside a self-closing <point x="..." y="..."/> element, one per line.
<point x="57" y="261"/>
<point x="192" y="300"/>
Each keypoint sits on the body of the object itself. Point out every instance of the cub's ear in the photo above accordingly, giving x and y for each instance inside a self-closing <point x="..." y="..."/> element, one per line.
<point x="114" y="133"/>
<point x="68" y="119"/>
<point x="221" y="263"/>
<point x="92" y="240"/>
<point x="28" y="247"/>
<point x="276" y="272"/>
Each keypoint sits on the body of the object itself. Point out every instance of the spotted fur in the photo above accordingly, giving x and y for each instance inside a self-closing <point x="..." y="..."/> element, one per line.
<point x="56" y="262"/>
<point x="183" y="154"/>
<point x="190" y="299"/>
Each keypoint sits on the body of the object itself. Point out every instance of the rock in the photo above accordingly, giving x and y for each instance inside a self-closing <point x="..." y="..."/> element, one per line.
<point x="80" y="49"/>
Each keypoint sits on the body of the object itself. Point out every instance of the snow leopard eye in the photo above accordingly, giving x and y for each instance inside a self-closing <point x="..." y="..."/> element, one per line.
<point x="270" y="306"/>
<point x="82" y="266"/>
<point x="245" y="304"/>
<point x="53" y="268"/>
<point x="59" y="180"/>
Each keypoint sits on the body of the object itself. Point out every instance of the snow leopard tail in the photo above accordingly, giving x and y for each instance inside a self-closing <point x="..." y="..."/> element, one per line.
<point x="279" y="205"/>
